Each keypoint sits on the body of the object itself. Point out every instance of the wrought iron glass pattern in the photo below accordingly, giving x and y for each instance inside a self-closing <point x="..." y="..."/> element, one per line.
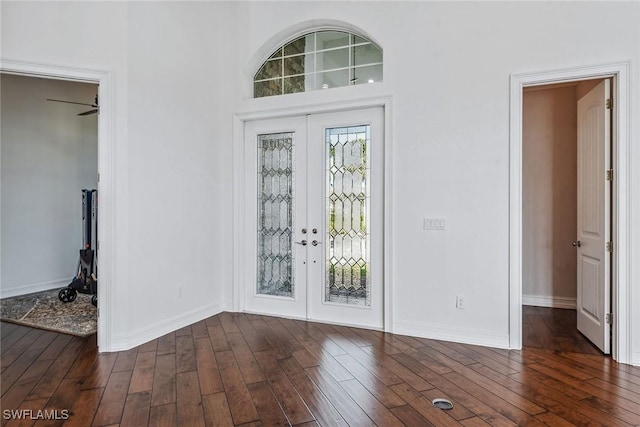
<point x="275" y="215"/>
<point x="319" y="60"/>
<point x="348" y="198"/>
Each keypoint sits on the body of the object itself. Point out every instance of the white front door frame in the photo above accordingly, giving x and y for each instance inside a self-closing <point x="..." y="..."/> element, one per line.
<point x="239" y="120"/>
<point x="621" y="194"/>
<point x="106" y="174"/>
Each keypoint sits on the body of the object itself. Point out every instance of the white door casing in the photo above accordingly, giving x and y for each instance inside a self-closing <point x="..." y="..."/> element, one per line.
<point x="265" y="229"/>
<point x="594" y="219"/>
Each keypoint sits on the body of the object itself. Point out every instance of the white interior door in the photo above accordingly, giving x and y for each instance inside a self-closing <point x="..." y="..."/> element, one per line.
<point x="594" y="220"/>
<point x="314" y="223"/>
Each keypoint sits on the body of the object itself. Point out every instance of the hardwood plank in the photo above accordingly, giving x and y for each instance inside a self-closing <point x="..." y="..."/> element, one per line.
<point x="208" y="373"/>
<point x="409" y="416"/>
<point x="406" y="375"/>
<point x="164" y="380"/>
<point x="126" y="360"/>
<point x="27" y="405"/>
<point x="99" y="374"/>
<point x="18" y="392"/>
<point x="377" y="388"/>
<point x="244" y="356"/>
<point x="143" y="372"/>
<point x="475" y="422"/>
<point x="291" y="402"/>
<point x="227" y="322"/>
<point x="56" y="347"/>
<point x="216" y="410"/>
<point x="376" y="411"/>
<point x="189" y="402"/>
<point x="218" y="338"/>
<point x="84" y="408"/>
<point x="163" y="415"/>
<point x="316" y="401"/>
<point x="269" y="409"/>
<point x="136" y="409"/>
<point x="85" y="361"/>
<point x="166" y="344"/>
<point x="149" y="346"/>
<point x="458" y="412"/>
<point x="50" y="381"/>
<point x="238" y="396"/>
<point x="424" y="407"/>
<point x="339" y="398"/>
<point x="25" y="342"/>
<point x="113" y="400"/>
<point x="185" y="354"/>
<point x="18" y="368"/>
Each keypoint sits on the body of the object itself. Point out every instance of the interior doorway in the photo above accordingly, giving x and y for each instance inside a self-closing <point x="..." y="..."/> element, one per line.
<point x="621" y="196"/>
<point x="314" y="217"/>
<point x="49" y="154"/>
<point x="567" y="211"/>
<point x="106" y="177"/>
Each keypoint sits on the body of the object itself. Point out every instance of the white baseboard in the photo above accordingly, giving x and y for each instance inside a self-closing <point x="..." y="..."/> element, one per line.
<point x="448" y="333"/>
<point x="34" y="287"/>
<point x="151" y="332"/>
<point x="545" y="301"/>
<point x="635" y="358"/>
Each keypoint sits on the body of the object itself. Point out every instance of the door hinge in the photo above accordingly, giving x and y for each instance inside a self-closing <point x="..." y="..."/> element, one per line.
<point x="609" y="318"/>
<point x="610" y="247"/>
<point x="610" y="175"/>
<point x="609" y="103"/>
<point x="98" y="177"/>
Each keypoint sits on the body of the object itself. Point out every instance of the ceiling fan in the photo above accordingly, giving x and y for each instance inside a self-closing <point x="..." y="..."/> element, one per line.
<point x="94" y="106"/>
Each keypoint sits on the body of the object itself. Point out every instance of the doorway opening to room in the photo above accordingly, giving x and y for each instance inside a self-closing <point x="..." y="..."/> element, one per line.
<point x="49" y="156"/>
<point x="314" y="217"/>
<point x="567" y="221"/>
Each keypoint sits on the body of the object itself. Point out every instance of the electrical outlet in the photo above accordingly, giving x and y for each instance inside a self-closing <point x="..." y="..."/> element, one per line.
<point x="459" y="302"/>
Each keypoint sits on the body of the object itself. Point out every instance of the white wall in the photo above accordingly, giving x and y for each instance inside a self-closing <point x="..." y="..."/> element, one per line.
<point x="549" y="152"/>
<point x="182" y="69"/>
<point x="48" y="155"/>
<point x="447" y="67"/>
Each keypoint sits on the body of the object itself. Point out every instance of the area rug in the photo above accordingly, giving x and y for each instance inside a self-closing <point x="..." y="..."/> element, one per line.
<point x="44" y="310"/>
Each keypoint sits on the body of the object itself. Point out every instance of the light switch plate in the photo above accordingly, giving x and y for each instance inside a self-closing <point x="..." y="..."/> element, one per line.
<point x="434" y="224"/>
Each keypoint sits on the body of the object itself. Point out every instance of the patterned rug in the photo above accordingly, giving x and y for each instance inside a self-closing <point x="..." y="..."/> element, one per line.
<point x="44" y="310"/>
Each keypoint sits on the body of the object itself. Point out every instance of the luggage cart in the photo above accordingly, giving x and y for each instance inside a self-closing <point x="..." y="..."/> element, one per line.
<point x="85" y="280"/>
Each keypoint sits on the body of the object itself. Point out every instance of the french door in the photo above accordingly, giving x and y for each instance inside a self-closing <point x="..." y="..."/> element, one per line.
<point x="314" y="217"/>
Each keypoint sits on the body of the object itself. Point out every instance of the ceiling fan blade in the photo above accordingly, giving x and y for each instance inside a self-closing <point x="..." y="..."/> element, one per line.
<point x="88" y="113"/>
<point x="71" y="102"/>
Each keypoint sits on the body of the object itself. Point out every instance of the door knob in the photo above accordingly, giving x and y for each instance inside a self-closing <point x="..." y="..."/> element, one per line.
<point x="303" y="243"/>
<point x="576" y="243"/>
<point x="315" y="243"/>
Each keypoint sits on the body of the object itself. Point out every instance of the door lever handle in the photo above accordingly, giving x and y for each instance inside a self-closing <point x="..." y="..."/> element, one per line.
<point x="576" y="243"/>
<point x="315" y="243"/>
<point x="303" y="243"/>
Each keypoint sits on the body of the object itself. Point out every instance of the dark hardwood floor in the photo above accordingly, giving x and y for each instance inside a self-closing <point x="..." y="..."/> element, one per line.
<point x="553" y="329"/>
<point x="255" y="370"/>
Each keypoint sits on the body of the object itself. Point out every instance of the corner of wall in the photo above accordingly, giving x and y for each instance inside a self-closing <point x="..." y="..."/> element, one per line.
<point x="151" y="332"/>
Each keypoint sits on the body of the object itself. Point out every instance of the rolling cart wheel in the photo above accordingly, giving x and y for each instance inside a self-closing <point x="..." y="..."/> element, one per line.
<point x="72" y="294"/>
<point x="65" y="295"/>
<point x="94" y="300"/>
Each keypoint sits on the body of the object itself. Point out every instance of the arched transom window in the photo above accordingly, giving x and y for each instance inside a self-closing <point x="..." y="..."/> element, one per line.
<point x="319" y="60"/>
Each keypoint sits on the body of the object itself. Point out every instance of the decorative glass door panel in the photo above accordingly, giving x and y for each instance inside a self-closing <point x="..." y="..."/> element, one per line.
<point x="348" y="205"/>
<point x="313" y="215"/>
<point x="275" y="215"/>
